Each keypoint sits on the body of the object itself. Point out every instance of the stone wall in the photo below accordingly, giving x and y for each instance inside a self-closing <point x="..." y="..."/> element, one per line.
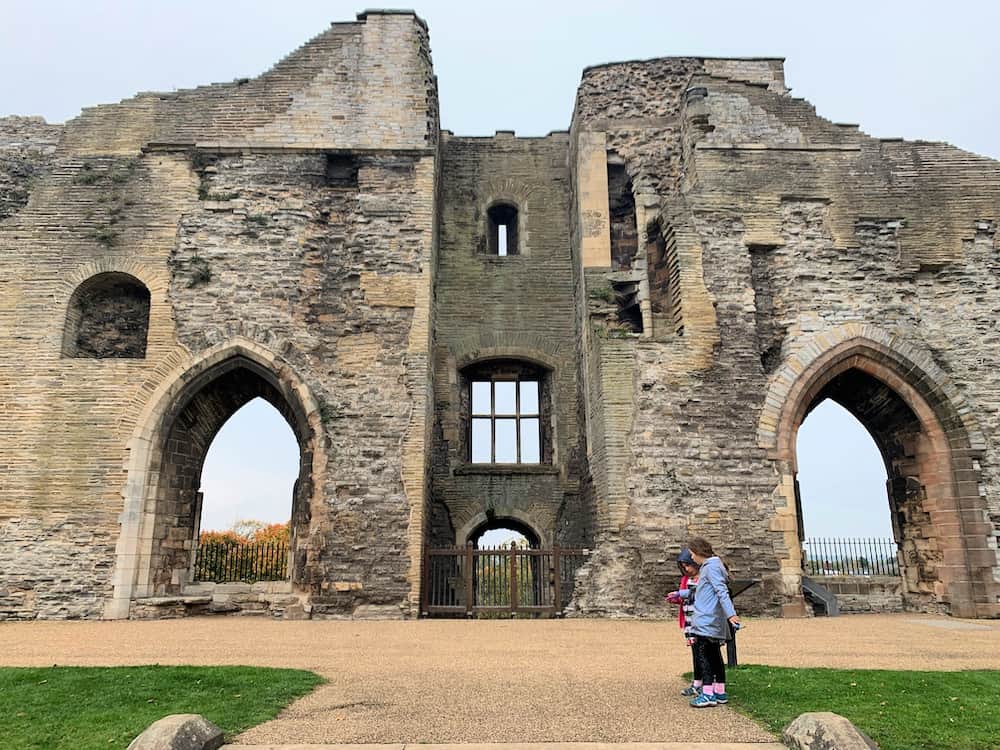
<point x="333" y="273"/>
<point x="802" y="227"/>
<point x="280" y="262"/>
<point x="698" y="263"/>
<point x="866" y="595"/>
<point x="519" y="307"/>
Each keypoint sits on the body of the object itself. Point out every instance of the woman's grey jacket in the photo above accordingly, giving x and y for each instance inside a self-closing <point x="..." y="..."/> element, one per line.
<point x="712" y="605"/>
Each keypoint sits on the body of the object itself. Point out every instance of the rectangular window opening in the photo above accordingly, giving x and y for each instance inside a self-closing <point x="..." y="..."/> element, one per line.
<point x="502" y="240"/>
<point x="341" y="171"/>
<point x="505" y="423"/>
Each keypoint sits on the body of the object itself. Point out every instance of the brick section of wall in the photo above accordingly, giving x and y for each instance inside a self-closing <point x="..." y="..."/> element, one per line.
<point x="67" y="420"/>
<point x="515" y="307"/>
<point x="363" y="85"/>
<point x="27" y="145"/>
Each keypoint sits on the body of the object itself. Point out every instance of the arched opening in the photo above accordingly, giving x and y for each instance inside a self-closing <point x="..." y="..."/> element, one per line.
<point x="245" y="500"/>
<point x="502" y="533"/>
<point x="186" y="432"/>
<point x="845" y="516"/>
<point x="903" y="443"/>
<point x="107" y="317"/>
<point x="505" y="573"/>
<point x="931" y="453"/>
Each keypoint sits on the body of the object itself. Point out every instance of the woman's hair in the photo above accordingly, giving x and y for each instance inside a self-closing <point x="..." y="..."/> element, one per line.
<point x="703" y="548"/>
<point x="700" y="546"/>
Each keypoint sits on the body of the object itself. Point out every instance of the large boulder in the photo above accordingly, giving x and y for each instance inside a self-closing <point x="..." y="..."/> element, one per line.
<point x="179" y="732"/>
<point x="824" y="730"/>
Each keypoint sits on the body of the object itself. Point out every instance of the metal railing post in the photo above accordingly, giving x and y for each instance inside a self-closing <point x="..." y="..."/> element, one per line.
<point x="555" y="573"/>
<point x="468" y="579"/>
<point x="513" y="579"/>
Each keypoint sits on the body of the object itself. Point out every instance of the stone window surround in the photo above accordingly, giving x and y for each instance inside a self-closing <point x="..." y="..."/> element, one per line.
<point x="508" y="368"/>
<point x="503" y="213"/>
<point x="503" y="193"/>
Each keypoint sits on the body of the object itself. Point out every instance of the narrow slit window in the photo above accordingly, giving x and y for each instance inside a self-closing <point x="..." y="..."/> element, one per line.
<point x="502" y="230"/>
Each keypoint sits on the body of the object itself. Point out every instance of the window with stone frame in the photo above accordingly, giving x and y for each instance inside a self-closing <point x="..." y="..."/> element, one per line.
<point x="501" y="230"/>
<point x="506" y="403"/>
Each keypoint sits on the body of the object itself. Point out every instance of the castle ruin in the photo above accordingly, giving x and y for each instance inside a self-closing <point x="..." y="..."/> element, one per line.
<point x="668" y="287"/>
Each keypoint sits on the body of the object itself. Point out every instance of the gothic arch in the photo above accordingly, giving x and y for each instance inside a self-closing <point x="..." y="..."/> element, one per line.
<point x="181" y="418"/>
<point x="929" y="441"/>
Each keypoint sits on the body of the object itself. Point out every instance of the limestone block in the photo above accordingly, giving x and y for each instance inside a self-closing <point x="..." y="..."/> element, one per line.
<point x="825" y="730"/>
<point x="179" y="732"/>
<point x="377" y="612"/>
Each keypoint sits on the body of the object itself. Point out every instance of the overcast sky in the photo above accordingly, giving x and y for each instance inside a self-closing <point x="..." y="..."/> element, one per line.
<point x="919" y="70"/>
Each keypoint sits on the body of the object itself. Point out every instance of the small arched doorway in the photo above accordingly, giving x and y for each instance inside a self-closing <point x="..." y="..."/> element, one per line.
<point x="504" y="532"/>
<point x="507" y="571"/>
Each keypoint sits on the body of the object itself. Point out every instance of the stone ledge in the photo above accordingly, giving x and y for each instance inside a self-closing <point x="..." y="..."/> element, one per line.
<point x="504" y="469"/>
<point x="169" y="601"/>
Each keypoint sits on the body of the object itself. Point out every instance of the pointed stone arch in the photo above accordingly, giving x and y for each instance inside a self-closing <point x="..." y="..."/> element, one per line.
<point x="931" y="444"/>
<point x="153" y="549"/>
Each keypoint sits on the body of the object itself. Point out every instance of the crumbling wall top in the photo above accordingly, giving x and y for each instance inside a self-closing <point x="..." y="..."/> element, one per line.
<point x="362" y="85"/>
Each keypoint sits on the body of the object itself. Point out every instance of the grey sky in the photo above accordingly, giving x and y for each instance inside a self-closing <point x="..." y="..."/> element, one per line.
<point x="912" y="69"/>
<point x="917" y="69"/>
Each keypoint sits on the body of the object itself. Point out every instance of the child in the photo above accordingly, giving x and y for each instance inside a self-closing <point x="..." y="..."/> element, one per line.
<point x="712" y="609"/>
<point x="685" y="597"/>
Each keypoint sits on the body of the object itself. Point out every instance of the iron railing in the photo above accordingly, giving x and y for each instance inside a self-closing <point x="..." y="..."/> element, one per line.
<point x="850" y="557"/>
<point x="499" y="581"/>
<point x="231" y="562"/>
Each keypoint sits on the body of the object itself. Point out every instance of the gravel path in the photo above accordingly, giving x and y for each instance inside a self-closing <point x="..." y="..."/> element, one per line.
<point x="497" y="680"/>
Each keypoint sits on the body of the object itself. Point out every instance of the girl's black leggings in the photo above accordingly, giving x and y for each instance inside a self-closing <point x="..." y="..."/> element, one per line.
<point x="708" y="657"/>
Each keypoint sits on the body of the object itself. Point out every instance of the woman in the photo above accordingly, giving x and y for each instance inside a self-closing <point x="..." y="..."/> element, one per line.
<point x="713" y="611"/>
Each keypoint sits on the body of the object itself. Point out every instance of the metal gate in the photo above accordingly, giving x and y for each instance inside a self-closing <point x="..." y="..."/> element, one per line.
<point x="500" y="582"/>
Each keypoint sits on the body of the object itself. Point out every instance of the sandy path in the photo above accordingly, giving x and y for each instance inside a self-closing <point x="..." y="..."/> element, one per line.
<point x="497" y="680"/>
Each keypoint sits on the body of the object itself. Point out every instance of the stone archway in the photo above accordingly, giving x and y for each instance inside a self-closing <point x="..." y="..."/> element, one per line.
<point x="931" y="449"/>
<point x="489" y="522"/>
<point x="516" y="519"/>
<point x="155" y="548"/>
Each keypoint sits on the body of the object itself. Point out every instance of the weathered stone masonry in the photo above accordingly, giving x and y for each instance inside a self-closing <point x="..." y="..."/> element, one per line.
<point x="694" y="265"/>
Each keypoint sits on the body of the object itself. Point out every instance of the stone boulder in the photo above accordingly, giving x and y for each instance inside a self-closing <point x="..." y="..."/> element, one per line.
<point x="824" y="730"/>
<point x="179" y="732"/>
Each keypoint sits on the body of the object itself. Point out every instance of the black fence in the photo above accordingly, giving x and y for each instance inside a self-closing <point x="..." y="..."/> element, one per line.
<point x="499" y="582"/>
<point x="851" y="557"/>
<point x="228" y="562"/>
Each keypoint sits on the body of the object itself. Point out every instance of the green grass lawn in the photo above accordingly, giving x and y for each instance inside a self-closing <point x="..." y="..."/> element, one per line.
<point x="899" y="710"/>
<point x="79" y="708"/>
